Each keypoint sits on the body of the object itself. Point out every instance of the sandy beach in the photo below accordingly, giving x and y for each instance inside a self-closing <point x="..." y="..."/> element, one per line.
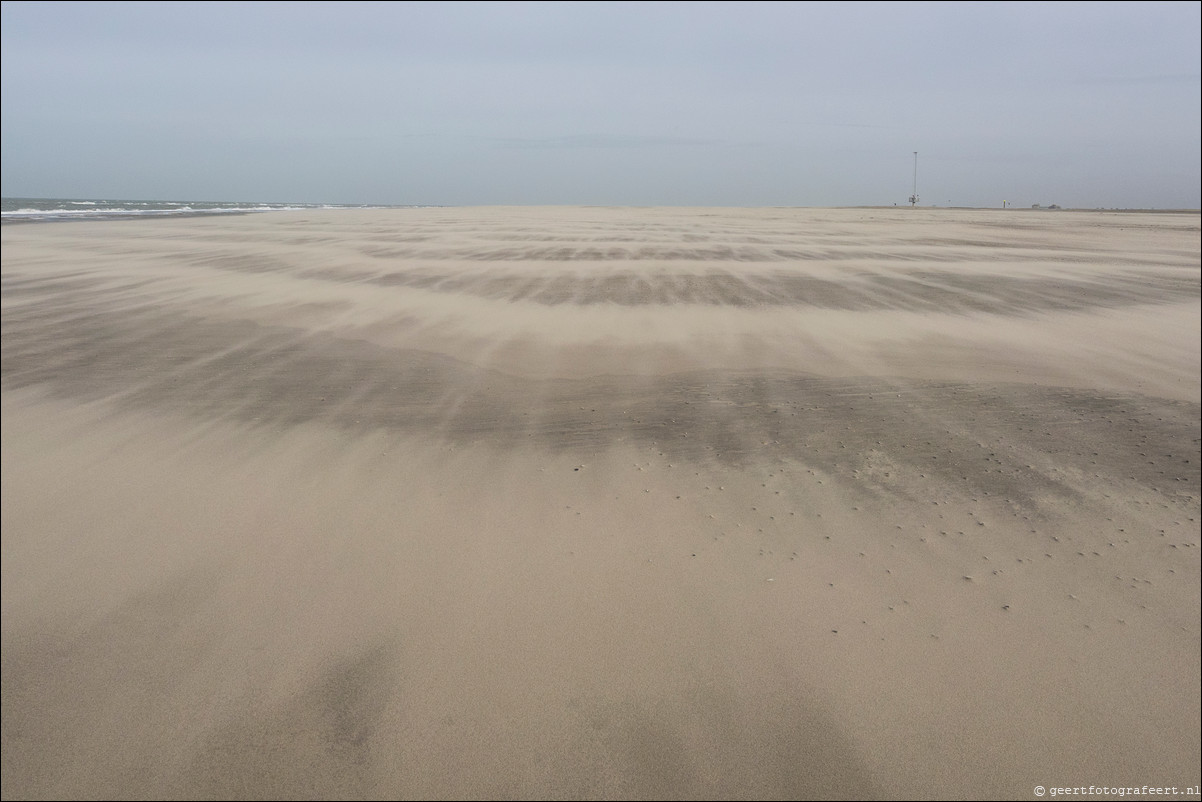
<point x="576" y="502"/>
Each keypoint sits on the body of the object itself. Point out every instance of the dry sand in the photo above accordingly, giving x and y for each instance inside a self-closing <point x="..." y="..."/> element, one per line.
<point x="596" y="502"/>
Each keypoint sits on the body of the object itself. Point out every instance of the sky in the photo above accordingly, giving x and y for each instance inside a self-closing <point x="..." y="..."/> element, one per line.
<point x="1079" y="104"/>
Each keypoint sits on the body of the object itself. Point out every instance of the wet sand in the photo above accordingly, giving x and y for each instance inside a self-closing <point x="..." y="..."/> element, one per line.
<point x="601" y="503"/>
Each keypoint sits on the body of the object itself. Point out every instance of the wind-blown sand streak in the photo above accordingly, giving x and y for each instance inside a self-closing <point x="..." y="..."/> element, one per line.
<point x="592" y="502"/>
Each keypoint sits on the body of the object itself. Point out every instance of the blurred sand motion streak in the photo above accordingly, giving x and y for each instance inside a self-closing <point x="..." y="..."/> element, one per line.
<point x="605" y="503"/>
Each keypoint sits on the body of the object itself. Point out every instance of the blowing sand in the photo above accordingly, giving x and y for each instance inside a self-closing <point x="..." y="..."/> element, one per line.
<point x="602" y="503"/>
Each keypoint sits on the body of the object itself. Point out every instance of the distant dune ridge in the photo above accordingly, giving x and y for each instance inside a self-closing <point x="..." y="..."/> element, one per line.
<point x="602" y="503"/>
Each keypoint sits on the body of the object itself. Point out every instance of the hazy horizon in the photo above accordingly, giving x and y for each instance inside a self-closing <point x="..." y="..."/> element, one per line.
<point x="285" y="202"/>
<point x="1082" y="105"/>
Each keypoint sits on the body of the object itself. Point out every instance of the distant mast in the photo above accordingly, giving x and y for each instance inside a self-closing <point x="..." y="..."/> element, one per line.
<point x="914" y="197"/>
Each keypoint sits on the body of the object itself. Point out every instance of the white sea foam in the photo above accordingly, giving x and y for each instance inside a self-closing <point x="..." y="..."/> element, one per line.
<point x="48" y="209"/>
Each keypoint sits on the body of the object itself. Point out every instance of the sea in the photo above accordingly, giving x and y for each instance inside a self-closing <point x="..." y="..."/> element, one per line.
<point x="57" y="209"/>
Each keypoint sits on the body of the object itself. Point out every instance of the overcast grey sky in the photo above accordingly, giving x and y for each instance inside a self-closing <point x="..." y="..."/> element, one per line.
<point x="723" y="104"/>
